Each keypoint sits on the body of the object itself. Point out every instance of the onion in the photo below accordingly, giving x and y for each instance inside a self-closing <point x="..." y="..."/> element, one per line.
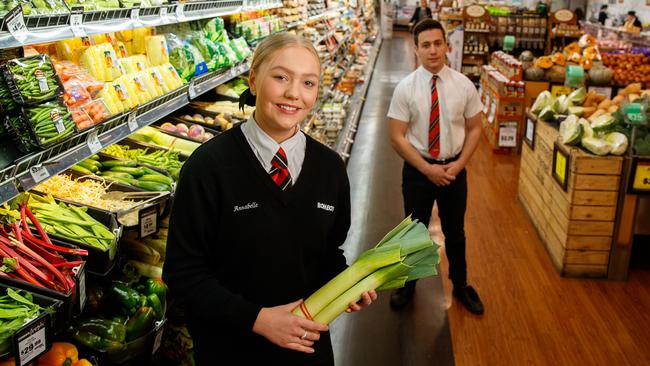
<point x="169" y="127"/>
<point x="196" y="132"/>
<point x="182" y="128"/>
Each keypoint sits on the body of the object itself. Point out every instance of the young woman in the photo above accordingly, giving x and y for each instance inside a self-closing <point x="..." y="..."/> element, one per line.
<point x="259" y="215"/>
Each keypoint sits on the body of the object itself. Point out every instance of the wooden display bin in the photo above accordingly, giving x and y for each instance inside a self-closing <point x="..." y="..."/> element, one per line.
<point x="575" y="223"/>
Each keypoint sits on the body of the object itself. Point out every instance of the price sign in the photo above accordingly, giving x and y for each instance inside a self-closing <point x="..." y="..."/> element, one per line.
<point x="15" y="22"/>
<point x="135" y="16"/>
<point x="39" y="173"/>
<point x="180" y="11"/>
<point x="93" y="142"/>
<point x="76" y="21"/>
<point x="507" y="136"/>
<point x="148" y="221"/>
<point x="133" y="121"/>
<point x="81" y="287"/>
<point x="158" y="340"/>
<point x="635" y="114"/>
<point x="529" y="135"/>
<point x="32" y="340"/>
<point x="560" y="169"/>
<point x="191" y="90"/>
<point x="641" y="177"/>
<point x="602" y="90"/>
<point x="163" y="13"/>
<point x="557" y="90"/>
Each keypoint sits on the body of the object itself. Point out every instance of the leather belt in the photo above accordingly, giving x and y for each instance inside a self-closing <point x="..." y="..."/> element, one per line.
<point x="441" y="161"/>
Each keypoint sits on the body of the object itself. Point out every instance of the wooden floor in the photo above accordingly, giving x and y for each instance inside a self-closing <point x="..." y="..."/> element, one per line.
<point x="534" y="316"/>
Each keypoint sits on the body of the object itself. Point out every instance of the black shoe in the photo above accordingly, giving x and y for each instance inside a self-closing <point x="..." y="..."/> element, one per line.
<point x="400" y="298"/>
<point x="469" y="298"/>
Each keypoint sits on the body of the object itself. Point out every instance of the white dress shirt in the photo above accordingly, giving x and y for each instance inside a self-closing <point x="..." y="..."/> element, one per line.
<point x="265" y="147"/>
<point x="458" y="100"/>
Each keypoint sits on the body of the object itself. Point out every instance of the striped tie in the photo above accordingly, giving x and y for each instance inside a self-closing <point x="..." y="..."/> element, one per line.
<point x="280" y="171"/>
<point x="434" y="118"/>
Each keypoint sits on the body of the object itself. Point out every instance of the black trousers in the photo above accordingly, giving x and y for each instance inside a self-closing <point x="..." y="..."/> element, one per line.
<point x="420" y="194"/>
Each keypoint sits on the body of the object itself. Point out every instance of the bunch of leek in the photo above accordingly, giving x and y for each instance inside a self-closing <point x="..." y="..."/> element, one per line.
<point x="406" y="253"/>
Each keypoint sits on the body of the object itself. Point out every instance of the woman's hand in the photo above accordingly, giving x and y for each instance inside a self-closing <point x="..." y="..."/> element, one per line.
<point x="280" y="326"/>
<point x="366" y="299"/>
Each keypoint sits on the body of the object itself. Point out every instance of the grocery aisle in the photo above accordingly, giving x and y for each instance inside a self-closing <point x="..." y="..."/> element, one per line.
<point x="419" y="335"/>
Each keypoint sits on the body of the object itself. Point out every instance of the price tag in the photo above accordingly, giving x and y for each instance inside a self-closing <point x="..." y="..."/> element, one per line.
<point x="635" y="114"/>
<point x="81" y="287"/>
<point x="602" y="90"/>
<point x="642" y="177"/>
<point x="58" y="124"/>
<point x="557" y="90"/>
<point x="191" y="90"/>
<point x="135" y="15"/>
<point x="180" y="11"/>
<point x="39" y="173"/>
<point x="148" y="221"/>
<point x="530" y="131"/>
<point x="15" y="22"/>
<point x="560" y="167"/>
<point x="32" y="340"/>
<point x="133" y="121"/>
<point x="93" y="142"/>
<point x="163" y="13"/>
<point x="507" y="136"/>
<point x="487" y="104"/>
<point x="76" y="21"/>
<point x="158" y="340"/>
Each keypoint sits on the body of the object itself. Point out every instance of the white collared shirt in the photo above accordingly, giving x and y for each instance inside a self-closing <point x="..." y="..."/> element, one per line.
<point x="265" y="147"/>
<point x="458" y="100"/>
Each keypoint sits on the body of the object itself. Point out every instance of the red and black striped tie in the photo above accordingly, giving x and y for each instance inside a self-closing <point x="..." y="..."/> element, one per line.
<point x="280" y="171"/>
<point x="434" y="119"/>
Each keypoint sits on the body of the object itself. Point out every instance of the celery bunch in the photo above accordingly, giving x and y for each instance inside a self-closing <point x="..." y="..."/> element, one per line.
<point x="406" y="253"/>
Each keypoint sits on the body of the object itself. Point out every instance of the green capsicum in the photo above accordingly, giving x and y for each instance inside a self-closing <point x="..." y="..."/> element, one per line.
<point x="140" y="323"/>
<point x="105" y="328"/>
<point x="94" y="341"/>
<point x="156" y="286"/>
<point x="124" y="297"/>
<point x="154" y="302"/>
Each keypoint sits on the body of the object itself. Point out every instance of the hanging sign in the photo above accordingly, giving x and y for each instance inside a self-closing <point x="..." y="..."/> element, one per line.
<point x="15" y="22"/>
<point x="529" y="133"/>
<point x="560" y="167"/>
<point x="32" y="340"/>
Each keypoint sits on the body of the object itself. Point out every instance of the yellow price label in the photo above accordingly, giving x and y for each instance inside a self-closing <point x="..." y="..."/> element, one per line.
<point x="560" y="166"/>
<point x="642" y="177"/>
<point x="557" y="90"/>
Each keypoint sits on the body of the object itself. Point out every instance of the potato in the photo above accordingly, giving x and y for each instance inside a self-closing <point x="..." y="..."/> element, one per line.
<point x="198" y="118"/>
<point x="612" y="109"/>
<point x="633" y="97"/>
<point x="618" y="99"/>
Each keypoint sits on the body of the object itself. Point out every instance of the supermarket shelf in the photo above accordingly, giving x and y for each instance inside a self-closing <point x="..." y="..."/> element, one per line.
<point x="56" y="27"/>
<point x="207" y="82"/>
<point x="477" y="31"/>
<point x="33" y="169"/>
<point x="327" y="14"/>
<point x="346" y="136"/>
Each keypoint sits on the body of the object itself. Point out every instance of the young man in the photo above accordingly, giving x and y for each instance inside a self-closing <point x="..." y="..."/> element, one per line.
<point x="602" y="16"/>
<point x="435" y="125"/>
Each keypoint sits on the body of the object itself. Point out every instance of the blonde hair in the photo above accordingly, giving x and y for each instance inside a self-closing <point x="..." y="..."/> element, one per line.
<point x="276" y="42"/>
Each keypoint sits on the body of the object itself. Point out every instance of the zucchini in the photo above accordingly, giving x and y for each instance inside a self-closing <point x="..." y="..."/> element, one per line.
<point x="136" y="172"/>
<point x="112" y="174"/>
<point x="158" y="178"/>
<point x="151" y="186"/>
<point x="94" y="157"/>
<point x="108" y="164"/>
<point x="125" y="181"/>
<point x="80" y="169"/>
<point x="151" y="171"/>
<point x="89" y="166"/>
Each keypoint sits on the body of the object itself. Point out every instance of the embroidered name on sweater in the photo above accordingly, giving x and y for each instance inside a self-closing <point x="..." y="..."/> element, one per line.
<point x="248" y="206"/>
<point x="325" y="207"/>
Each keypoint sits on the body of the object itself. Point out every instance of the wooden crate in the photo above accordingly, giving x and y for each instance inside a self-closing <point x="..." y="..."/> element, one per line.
<point x="576" y="224"/>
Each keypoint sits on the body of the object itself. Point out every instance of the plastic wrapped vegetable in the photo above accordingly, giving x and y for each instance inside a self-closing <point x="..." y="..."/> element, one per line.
<point x="32" y="80"/>
<point x="51" y="122"/>
<point x="7" y="103"/>
<point x="618" y="141"/>
<point x="156" y="50"/>
<point x="544" y="99"/>
<point x="48" y="7"/>
<point x="20" y="134"/>
<point x="571" y="131"/>
<point x="596" y="146"/>
<point x="75" y="94"/>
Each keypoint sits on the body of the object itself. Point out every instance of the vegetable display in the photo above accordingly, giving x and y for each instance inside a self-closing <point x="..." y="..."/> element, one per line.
<point x="153" y="136"/>
<point x="16" y="309"/>
<point x="50" y="121"/>
<point x="72" y="222"/>
<point x="163" y="159"/>
<point x="32" y="257"/>
<point x="194" y="131"/>
<point x="32" y="80"/>
<point x="406" y="253"/>
<point x="126" y="172"/>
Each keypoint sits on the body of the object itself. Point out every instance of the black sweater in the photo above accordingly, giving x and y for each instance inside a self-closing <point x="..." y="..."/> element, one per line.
<point x="238" y="243"/>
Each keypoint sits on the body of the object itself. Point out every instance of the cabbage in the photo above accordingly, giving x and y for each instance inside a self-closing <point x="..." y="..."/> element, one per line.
<point x="618" y="141"/>
<point x="603" y="123"/>
<point x="561" y="105"/>
<point x="577" y="97"/>
<point x="544" y="99"/>
<point x="587" y="131"/>
<point x="571" y="131"/>
<point x="578" y="111"/>
<point x="547" y="114"/>
<point x="596" y="146"/>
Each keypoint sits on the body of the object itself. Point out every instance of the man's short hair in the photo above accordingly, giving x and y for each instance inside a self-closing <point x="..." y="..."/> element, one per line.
<point x="425" y="25"/>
